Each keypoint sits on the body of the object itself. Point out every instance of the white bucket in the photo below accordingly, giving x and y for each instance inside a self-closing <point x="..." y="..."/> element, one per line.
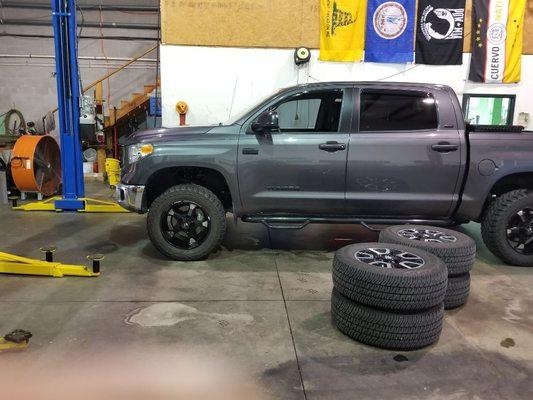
<point x="88" y="167"/>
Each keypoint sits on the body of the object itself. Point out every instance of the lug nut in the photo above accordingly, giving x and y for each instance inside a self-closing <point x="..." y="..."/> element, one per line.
<point x="96" y="258"/>
<point x="49" y="251"/>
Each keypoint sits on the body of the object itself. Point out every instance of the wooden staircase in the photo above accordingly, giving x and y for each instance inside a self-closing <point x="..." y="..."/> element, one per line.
<point x="130" y="107"/>
<point x="139" y="102"/>
<point x="126" y="107"/>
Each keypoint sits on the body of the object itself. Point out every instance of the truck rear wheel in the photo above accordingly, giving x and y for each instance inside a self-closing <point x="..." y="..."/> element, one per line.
<point x="507" y="227"/>
<point x="187" y="222"/>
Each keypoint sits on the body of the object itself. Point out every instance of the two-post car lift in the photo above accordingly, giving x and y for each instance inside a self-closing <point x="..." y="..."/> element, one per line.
<point x="72" y="199"/>
<point x="68" y="101"/>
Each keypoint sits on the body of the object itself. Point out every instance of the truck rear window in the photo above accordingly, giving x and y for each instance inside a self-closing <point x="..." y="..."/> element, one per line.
<point x="397" y="111"/>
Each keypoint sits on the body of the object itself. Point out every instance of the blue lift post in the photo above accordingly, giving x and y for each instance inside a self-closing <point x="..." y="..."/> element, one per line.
<point x="68" y="102"/>
<point x="68" y="97"/>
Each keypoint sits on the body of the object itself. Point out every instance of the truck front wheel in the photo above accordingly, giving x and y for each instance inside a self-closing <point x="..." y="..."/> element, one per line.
<point x="507" y="227"/>
<point x="187" y="222"/>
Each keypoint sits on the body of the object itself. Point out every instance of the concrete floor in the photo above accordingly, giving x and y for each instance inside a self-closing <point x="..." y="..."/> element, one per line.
<point x="262" y="302"/>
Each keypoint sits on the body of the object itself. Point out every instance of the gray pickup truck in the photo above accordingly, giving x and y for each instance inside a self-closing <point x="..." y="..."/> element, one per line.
<point x="337" y="152"/>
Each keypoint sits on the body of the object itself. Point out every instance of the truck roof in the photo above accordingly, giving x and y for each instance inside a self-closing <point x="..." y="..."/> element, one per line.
<point x="431" y="86"/>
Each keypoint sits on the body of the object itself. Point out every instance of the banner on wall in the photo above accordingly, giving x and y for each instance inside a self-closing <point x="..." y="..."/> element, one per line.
<point x="439" y="33"/>
<point x="342" y="30"/>
<point x="390" y="31"/>
<point x="497" y="40"/>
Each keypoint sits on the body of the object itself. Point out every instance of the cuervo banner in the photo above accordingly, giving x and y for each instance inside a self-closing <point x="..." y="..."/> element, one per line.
<point x="497" y="39"/>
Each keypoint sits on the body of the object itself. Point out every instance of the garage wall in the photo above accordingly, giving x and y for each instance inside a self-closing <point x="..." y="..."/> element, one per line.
<point x="28" y="83"/>
<point x="219" y="82"/>
<point x="265" y="23"/>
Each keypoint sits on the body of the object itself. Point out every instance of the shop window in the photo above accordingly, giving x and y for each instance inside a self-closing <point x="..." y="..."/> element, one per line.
<point x="488" y="109"/>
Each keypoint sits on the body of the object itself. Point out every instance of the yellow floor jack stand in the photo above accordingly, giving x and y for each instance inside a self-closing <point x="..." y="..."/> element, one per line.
<point x="12" y="264"/>
<point x="15" y="340"/>
<point x="90" y="206"/>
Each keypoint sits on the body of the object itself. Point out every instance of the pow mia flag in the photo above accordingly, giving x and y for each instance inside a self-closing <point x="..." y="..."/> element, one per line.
<point x="439" y="35"/>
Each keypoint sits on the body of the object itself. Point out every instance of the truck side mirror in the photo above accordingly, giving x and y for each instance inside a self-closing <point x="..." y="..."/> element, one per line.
<point x="266" y="122"/>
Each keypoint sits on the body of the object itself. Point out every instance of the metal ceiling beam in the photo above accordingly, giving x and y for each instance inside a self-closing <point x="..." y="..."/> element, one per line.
<point x="83" y="36"/>
<point x="84" y="7"/>
<point x="86" y="24"/>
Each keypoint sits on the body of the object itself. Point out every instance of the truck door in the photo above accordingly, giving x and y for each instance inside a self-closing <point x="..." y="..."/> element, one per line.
<point x="300" y="169"/>
<point x="404" y="158"/>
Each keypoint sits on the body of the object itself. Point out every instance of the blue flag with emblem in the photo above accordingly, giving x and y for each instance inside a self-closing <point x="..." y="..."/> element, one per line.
<point x="390" y="31"/>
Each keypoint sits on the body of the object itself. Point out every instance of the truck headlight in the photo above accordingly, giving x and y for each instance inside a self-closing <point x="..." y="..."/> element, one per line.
<point x="138" y="151"/>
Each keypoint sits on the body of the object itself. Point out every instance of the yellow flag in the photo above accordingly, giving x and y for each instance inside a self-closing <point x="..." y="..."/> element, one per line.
<point x="342" y="29"/>
<point x="514" y="41"/>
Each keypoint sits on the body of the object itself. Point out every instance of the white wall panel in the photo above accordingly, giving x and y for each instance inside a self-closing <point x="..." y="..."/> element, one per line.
<point x="219" y="82"/>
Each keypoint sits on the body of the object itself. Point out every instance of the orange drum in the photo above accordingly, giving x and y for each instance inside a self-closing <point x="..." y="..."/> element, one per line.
<point x="36" y="165"/>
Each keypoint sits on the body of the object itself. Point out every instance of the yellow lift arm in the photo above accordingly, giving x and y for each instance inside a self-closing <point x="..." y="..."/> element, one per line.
<point x="12" y="264"/>
<point x="91" y="206"/>
<point x="15" y="340"/>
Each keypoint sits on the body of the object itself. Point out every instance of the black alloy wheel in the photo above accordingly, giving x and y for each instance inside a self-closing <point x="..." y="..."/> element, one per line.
<point x="185" y="225"/>
<point x="507" y="227"/>
<point x="187" y="222"/>
<point x="520" y="231"/>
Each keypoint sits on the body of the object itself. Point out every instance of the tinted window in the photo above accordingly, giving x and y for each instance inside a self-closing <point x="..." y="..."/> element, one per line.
<point x="403" y="111"/>
<point x="311" y="112"/>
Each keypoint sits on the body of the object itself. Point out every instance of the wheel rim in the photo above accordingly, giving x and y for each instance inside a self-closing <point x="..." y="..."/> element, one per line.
<point x="427" y="235"/>
<point x="389" y="258"/>
<point x="520" y="231"/>
<point x="185" y="225"/>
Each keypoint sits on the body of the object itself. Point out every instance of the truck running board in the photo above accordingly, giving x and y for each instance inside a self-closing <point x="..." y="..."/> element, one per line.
<point x="289" y="222"/>
<point x="285" y="225"/>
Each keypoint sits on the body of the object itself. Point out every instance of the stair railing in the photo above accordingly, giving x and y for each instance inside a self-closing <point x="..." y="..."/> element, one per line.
<point x="98" y="84"/>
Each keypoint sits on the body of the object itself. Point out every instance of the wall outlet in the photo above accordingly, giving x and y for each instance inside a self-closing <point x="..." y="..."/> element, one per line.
<point x="523" y="118"/>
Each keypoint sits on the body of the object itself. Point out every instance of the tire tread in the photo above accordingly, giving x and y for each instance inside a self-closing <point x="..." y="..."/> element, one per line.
<point x="218" y="219"/>
<point x="376" y="288"/>
<point x="389" y="330"/>
<point x="491" y="224"/>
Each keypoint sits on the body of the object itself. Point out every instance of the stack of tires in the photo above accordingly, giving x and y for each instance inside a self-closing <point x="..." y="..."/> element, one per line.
<point x="456" y="250"/>
<point x="388" y="295"/>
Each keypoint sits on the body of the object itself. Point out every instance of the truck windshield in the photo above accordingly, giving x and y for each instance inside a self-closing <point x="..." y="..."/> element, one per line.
<point x="248" y="110"/>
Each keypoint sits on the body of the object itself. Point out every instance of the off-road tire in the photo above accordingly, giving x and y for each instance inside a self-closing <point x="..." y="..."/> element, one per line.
<point x="205" y="199"/>
<point x="457" y="292"/>
<point x="389" y="288"/>
<point x="458" y="256"/>
<point x="494" y="225"/>
<point x="385" y="329"/>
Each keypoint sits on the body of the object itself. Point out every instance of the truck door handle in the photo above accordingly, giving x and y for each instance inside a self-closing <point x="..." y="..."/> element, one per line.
<point x="332" y="147"/>
<point x="444" y="147"/>
<point x="250" y="150"/>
